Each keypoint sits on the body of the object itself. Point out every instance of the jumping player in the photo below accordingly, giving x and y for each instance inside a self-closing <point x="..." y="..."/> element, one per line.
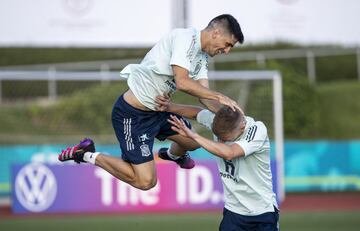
<point x="177" y="62"/>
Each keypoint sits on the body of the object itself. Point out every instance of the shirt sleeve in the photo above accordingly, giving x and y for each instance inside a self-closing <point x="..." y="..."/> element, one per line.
<point x="205" y="117"/>
<point x="181" y="45"/>
<point x="255" y="139"/>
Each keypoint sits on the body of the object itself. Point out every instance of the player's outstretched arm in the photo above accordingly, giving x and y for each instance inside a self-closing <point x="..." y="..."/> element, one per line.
<point x="187" y="111"/>
<point x="226" y="151"/>
<point x="192" y="87"/>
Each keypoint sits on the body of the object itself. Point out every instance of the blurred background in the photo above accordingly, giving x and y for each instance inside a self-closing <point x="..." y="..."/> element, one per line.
<point x="59" y="65"/>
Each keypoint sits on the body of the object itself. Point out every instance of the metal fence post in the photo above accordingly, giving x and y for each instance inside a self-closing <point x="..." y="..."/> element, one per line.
<point x="0" y="91"/>
<point x="311" y="68"/>
<point x="104" y="70"/>
<point x="260" y="60"/>
<point x="358" y="61"/>
<point x="52" y="92"/>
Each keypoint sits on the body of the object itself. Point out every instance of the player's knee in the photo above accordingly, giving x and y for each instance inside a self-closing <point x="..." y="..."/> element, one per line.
<point x="193" y="148"/>
<point x="147" y="183"/>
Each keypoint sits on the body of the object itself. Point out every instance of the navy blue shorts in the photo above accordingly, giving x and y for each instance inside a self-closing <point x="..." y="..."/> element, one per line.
<point x="136" y="130"/>
<point x="235" y="222"/>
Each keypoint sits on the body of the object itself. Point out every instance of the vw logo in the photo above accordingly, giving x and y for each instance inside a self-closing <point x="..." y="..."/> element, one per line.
<point x="35" y="187"/>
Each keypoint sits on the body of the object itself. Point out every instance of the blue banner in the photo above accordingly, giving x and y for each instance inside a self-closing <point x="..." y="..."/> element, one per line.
<point x="309" y="166"/>
<point x="322" y="166"/>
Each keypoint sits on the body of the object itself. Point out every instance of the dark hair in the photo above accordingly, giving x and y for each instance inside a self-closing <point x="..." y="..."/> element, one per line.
<point x="229" y="23"/>
<point x="226" y="120"/>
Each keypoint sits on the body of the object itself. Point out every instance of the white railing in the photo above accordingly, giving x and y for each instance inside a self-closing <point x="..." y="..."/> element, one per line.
<point x="310" y="54"/>
<point x="52" y="76"/>
<point x="259" y="56"/>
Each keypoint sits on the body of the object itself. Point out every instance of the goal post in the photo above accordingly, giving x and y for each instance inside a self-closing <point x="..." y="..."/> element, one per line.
<point x="259" y="93"/>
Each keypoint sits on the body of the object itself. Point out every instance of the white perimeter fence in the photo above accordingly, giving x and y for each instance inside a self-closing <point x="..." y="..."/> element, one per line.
<point x="259" y="56"/>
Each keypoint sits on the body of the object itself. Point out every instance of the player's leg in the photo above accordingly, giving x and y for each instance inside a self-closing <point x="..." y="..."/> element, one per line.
<point x="268" y="221"/>
<point x="181" y="145"/>
<point x="141" y="176"/>
<point x="237" y="222"/>
<point x="234" y="222"/>
<point x="178" y="151"/>
<point x="135" y="131"/>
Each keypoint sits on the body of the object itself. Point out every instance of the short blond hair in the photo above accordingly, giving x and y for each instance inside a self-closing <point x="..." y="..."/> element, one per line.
<point x="226" y="120"/>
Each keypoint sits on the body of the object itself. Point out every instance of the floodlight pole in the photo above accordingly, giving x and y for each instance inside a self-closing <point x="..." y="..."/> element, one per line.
<point x="180" y="14"/>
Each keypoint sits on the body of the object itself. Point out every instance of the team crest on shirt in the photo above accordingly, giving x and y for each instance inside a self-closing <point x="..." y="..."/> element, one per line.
<point x="145" y="150"/>
<point x="196" y="70"/>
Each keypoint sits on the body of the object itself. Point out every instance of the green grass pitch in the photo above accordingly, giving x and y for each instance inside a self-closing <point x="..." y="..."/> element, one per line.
<point x="290" y="221"/>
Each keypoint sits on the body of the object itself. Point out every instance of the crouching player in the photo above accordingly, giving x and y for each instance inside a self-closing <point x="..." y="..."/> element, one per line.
<point x="243" y="150"/>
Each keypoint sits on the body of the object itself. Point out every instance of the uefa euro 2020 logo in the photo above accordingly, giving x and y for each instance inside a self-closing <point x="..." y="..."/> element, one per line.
<point x="35" y="187"/>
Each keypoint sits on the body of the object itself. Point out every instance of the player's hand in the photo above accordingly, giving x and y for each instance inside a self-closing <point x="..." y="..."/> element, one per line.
<point x="223" y="99"/>
<point x="180" y="127"/>
<point x="163" y="102"/>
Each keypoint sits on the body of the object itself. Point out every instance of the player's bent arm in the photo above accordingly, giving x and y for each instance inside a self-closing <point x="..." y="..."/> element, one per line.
<point x="212" y="105"/>
<point x="187" y="111"/>
<point x="164" y="104"/>
<point x="186" y="84"/>
<point x="226" y="151"/>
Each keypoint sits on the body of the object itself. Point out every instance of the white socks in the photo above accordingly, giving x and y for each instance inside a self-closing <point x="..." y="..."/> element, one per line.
<point x="90" y="157"/>
<point x="174" y="157"/>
